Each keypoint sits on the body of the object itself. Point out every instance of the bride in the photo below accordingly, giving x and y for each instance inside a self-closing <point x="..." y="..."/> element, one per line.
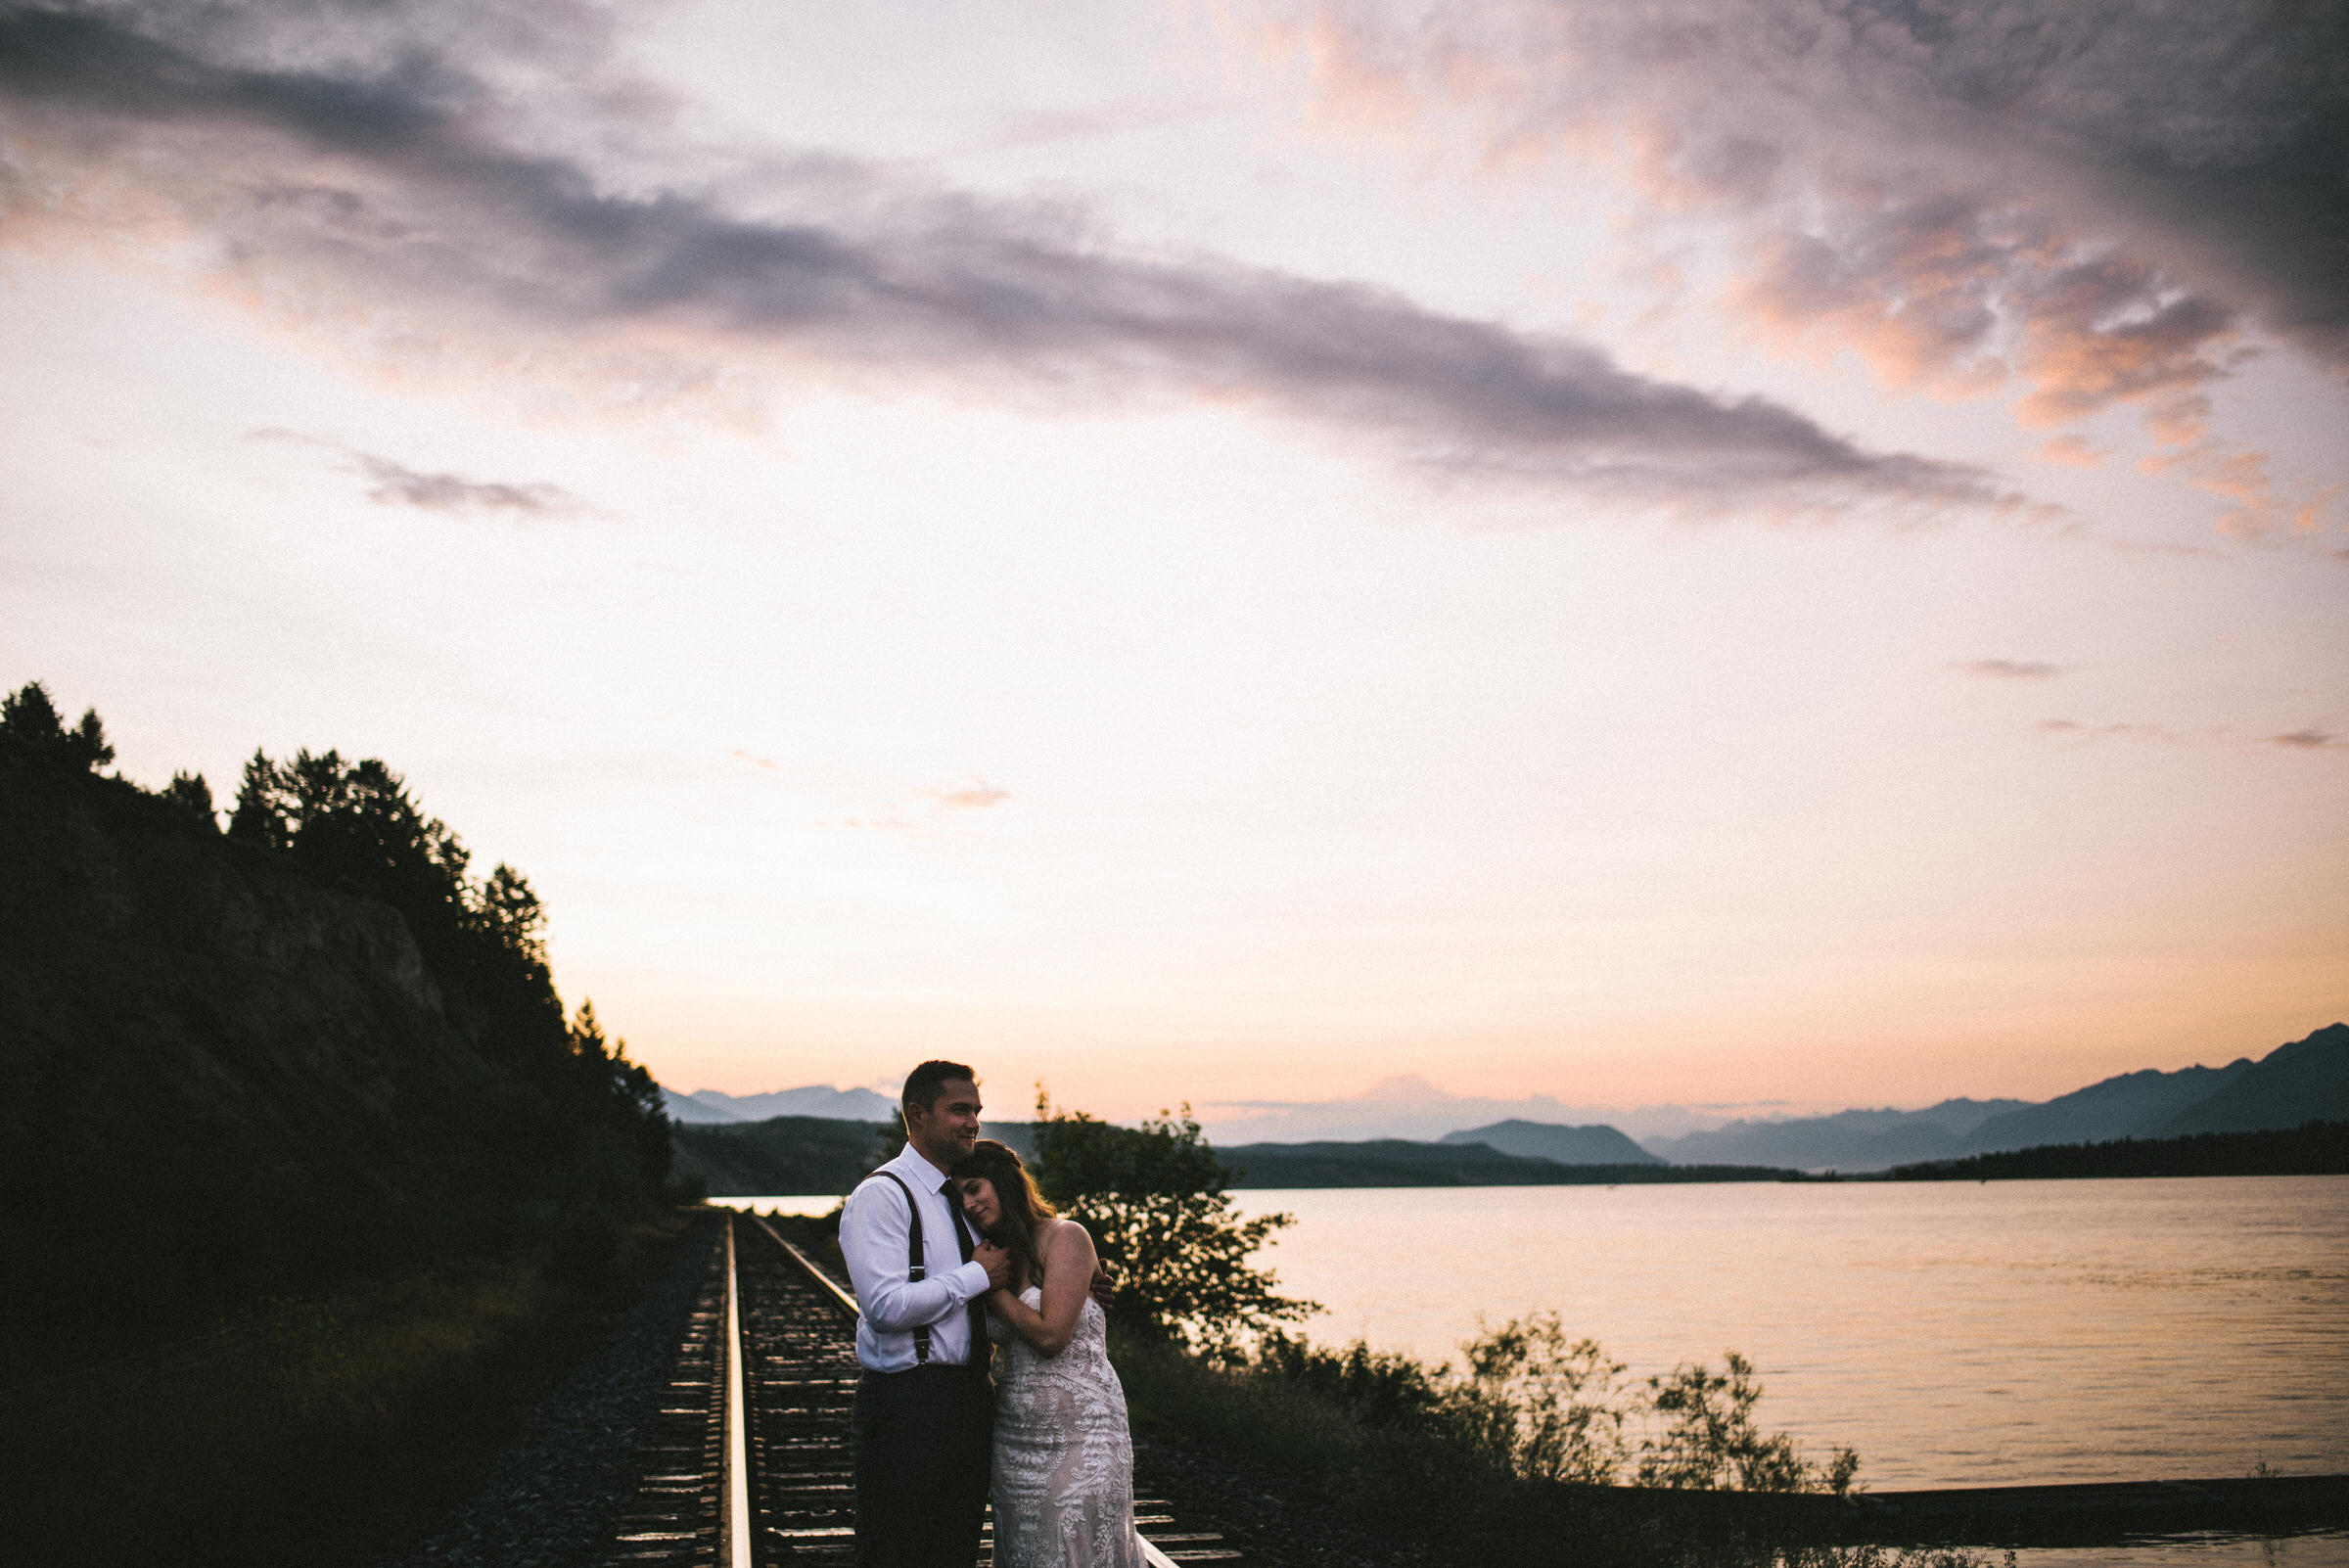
<point x="1063" y="1458"/>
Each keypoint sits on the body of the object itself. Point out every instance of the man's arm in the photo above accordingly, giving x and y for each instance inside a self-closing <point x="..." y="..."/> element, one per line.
<point x="872" y="1238"/>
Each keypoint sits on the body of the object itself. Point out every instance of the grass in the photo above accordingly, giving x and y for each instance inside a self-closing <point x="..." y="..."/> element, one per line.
<point x="1389" y="1451"/>
<point x="1429" y="1492"/>
<point x="314" y="1431"/>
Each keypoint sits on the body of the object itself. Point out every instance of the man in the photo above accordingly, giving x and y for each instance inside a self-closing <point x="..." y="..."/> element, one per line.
<point x="925" y="1410"/>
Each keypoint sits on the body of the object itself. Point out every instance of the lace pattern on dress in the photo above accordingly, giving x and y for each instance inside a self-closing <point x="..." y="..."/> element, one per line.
<point x="1064" y="1458"/>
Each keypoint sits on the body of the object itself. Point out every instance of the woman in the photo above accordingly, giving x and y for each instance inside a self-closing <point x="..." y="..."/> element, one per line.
<point x="1064" y="1459"/>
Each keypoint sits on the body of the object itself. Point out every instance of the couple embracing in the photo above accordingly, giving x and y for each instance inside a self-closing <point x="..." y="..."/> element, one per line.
<point x="953" y="1250"/>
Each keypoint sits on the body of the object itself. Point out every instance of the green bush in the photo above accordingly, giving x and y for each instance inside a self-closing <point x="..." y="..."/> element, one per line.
<point x="1541" y="1406"/>
<point x="1709" y="1437"/>
<point x="1413" y="1463"/>
<point x="1157" y="1203"/>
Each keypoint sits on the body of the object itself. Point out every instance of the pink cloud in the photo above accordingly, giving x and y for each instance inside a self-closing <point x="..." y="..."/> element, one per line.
<point x="370" y="174"/>
<point x="2070" y="449"/>
<point x="2068" y="726"/>
<point x="977" y="796"/>
<point x="2071" y="203"/>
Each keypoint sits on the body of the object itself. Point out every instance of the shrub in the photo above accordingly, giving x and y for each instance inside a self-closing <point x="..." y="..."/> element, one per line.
<point x="1710" y="1440"/>
<point x="1157" y="1203"/>
<point x="1552" y="1405"/>
<point x="1543" y="1407"/>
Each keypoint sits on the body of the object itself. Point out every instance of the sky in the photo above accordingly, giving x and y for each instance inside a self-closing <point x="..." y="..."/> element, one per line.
<point x="1726" y="552"/>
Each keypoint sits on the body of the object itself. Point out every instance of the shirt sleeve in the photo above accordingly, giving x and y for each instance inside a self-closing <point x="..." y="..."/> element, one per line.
<point x="872" y="1238"/>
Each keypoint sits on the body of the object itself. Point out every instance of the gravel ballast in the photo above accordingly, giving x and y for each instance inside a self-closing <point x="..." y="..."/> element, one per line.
<point x="555" y="1492"/>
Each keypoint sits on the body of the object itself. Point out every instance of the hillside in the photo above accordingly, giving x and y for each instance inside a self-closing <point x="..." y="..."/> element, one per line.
<point x="799" y="1156"/>
<point x="1566" y="1145"/>
<point x="231" y="1071"/>
<point x="784" y="1155"/>
<point x="1846" y="1141"/>
<point x="2318" y="1148"/>
<point x="1395" y="1163"/>
<point x="2129" y="1105"/>
<point x="2308" y="1079"/>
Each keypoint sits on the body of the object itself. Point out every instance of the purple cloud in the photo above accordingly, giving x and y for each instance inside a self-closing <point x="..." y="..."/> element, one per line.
<point x="337" y="153"/>
<point x="394" y="483"/>
<point x="2098" y="203"/>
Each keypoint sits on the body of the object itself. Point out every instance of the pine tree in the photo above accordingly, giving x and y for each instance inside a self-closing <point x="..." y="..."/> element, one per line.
<point x="29" y="718"/>
<point x="191" y="792"/>
<point x="260" y="818"/>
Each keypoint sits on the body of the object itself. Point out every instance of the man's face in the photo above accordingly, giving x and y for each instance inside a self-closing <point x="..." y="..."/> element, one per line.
<point x="946" y="1130"/>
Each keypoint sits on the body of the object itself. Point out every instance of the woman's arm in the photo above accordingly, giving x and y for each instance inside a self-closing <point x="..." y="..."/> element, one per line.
<point x="1068" y="1258"/>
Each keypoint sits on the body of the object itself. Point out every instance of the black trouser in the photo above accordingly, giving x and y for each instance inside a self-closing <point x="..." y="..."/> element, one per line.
<point x="922" y="1444"/>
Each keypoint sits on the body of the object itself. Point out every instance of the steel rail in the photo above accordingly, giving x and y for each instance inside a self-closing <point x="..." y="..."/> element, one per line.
<point x="825" y="1282"/>
<point x="736" y="1539"/>
<point x="1194" y="1547"/>
<point x="745" y="1464"/>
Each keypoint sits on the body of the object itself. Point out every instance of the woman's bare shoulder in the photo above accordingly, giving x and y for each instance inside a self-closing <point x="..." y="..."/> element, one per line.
<point x="1065" y="1236"/>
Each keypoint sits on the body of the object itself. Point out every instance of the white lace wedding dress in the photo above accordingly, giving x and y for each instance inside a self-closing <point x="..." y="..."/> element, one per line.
<point x="1064" y="1459"/>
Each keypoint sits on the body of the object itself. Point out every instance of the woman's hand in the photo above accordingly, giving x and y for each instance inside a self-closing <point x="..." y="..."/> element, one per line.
<point x="1067" y="1269"/>
<point x="997" y="1262"/>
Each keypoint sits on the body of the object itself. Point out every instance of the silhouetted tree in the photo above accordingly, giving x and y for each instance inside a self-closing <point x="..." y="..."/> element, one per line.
<point x="630" y="1085"/>
<point x="354" y="825"/>
<point x="264" y="802"/>
<point x="313" y="1115"/>
<point x="514" y="915"/>
<point x="192" y="794"/>
<point x="1710" y="1440"/>
<point x="29" y="718"/>
<point x="1157" y="1203"/>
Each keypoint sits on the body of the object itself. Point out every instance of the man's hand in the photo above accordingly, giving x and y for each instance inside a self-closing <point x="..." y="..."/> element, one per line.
<point x="1105" y="1283"/>
<point x="995" y="1260"/>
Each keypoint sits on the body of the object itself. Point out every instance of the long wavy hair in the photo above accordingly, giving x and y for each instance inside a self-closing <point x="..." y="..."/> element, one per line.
<point x="1023" y="1206"/>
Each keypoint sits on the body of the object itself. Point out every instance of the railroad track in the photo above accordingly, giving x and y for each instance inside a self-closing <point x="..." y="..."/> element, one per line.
<point x="745" y="1464"/>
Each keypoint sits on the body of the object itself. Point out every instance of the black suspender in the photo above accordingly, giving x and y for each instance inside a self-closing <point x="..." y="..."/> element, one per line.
<point x="915" y="1267"/>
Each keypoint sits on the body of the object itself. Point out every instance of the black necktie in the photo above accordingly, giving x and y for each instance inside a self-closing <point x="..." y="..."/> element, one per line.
<point x="979" y="1348"/>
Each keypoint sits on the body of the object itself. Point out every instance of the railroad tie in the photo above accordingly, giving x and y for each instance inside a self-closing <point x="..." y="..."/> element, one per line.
<point x="799" y="1374"/>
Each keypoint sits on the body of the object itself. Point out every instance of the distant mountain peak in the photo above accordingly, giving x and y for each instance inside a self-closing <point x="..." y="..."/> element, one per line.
<point x="819" y="1100"/>
<point x="1596" y="1144"/>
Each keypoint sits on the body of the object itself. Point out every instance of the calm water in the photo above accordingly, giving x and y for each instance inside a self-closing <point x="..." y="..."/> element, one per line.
<point x="1956" y="1335"/>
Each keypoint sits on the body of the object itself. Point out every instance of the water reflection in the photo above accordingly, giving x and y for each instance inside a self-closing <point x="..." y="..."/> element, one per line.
<point x="1956" y="1334"/>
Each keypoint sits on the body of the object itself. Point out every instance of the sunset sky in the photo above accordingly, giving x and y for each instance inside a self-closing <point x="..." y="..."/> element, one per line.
<point x="1716" y="551"/>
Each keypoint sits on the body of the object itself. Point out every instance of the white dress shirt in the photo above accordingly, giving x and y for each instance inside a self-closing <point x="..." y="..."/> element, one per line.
<point x="890" y="1303"/>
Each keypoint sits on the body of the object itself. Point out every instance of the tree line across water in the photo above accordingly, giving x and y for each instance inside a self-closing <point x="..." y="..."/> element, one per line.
<point x="2316" y="1149"/>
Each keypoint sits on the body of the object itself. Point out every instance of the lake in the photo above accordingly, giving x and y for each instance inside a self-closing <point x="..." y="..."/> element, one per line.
<point x="1955" y="1334"/>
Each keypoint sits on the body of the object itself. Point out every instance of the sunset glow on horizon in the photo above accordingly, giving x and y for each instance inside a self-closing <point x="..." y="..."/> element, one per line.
<point x="1237" y="553"/>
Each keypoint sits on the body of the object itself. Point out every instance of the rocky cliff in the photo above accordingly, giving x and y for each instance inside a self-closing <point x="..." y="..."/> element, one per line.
<point x="222" y="1081"/>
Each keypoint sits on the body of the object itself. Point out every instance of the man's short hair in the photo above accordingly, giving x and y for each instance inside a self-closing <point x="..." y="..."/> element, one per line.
<point x="923" y="1083"/>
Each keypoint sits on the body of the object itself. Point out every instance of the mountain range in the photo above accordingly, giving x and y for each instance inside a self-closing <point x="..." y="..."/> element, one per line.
<point x="703" y="1107"/>
<point x="1563" y="1145"/>
<point x="2307" y="1079"/>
